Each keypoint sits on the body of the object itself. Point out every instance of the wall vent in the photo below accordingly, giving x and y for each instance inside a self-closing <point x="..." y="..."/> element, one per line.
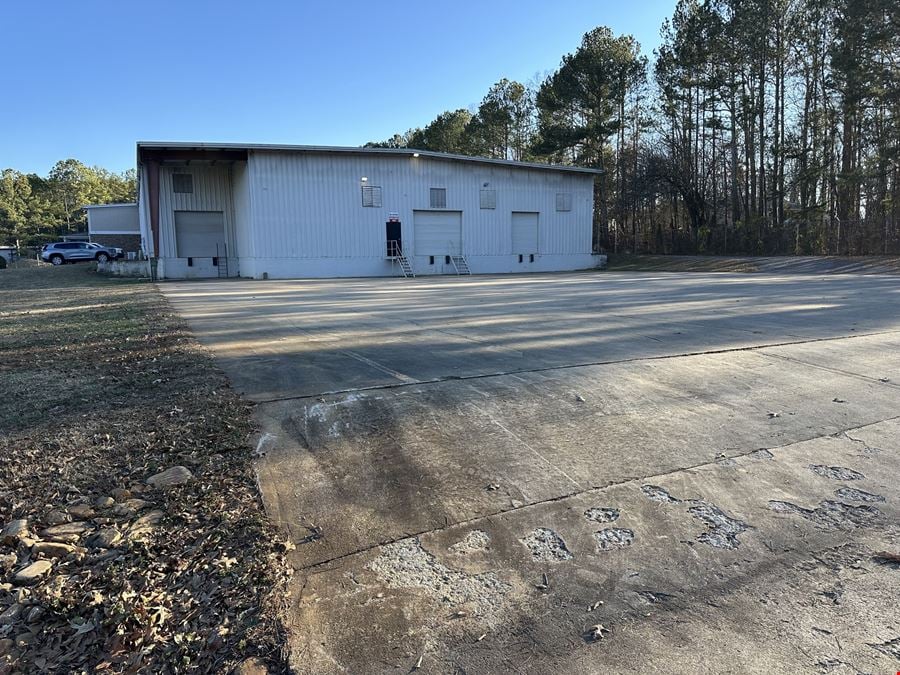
<point x="371" y="196"/>
<point x="183" y="183"/>
<point x="438" y="198"/>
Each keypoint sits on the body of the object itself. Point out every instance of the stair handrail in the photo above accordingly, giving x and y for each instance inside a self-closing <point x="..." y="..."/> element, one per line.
<point x="396" y="254"/>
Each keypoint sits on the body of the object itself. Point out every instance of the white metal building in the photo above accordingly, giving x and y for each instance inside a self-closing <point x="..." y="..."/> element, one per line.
<point x="266" y="211"/>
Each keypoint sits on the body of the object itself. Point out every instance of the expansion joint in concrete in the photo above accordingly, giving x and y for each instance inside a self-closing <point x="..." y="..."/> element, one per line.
<point x="409" y="382"/>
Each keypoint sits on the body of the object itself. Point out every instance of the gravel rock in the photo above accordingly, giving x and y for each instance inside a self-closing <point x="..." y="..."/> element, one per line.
<point x="172" y="476"/>
<point x="121" y="494"/>
<point x="145" y="524"/>
<point x="6" y="646"/>
<point x="56" y="517"/>
<point x="104" y="502"/>
<point x="52" y="549"/>
<point x="251" y="666"/>
<point x="82" y="511"/>
<point x="34" y="614"/>
<point x="67" y="532"/>
<point x="7" y="561"/>
<point x="11" y="615"/>
<point x="14" y="531"/>
<point x="108" y="537"/>
<point x="129" y="507"/>
<point x="33" y="572"/>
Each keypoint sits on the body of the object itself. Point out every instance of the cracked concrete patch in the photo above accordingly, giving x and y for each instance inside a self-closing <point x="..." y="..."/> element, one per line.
<point x="856" y="495"/>
<point x="891" y="647"/>
<point x="658" y="494"/>
<point x="602" y="514"/>
<point x="613" y="538"/>
<point x="762" y="453"/>
<point x="866" y="448"/>
<point x="723" y="529"/>
<point x="406" y="564"/>
<point x="835" y="472"/>
<point x="547" y="545"/>
<point x="476" y="540"/>
<point x="830" y="514"/>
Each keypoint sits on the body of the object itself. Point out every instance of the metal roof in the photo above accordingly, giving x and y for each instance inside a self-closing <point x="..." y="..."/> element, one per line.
<point x="410" y="152"/>
<point x="106" y="206"/>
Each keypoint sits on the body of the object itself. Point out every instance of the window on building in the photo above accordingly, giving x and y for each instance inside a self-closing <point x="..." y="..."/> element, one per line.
<point x="563" y="201"/>
<point x="371" y="196"/>
<point x="438" y="198"/>
<point x="489" y="199"/>
<point x="183" y="182"/>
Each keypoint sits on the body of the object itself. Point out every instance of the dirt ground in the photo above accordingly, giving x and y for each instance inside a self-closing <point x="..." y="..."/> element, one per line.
<point x="585" y="473"/>
<point x="102" y="567"/>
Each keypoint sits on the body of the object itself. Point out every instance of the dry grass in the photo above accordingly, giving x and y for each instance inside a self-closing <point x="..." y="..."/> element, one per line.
<point x="678" y="263"/>
<point x="102" y="387"/>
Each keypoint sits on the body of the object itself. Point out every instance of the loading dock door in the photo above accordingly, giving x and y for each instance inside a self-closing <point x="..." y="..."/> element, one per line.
<point x="438" y="233"/>
<point x="199" y="234"/>
<point x="524" y="232"/>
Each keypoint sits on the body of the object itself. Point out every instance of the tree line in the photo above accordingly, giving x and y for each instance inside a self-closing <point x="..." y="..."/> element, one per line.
<point x="758" y="127"/>
<point x="35" y="209"/>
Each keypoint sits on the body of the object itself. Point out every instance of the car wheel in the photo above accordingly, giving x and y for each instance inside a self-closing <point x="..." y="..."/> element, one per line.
<point x="57" y="260"/>
<point x="102" y="257"/>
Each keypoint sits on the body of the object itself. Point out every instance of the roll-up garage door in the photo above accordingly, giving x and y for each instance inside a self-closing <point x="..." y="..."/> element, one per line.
<point x="438" y="232"/>
<point x="199" y="234"/>
<point x="524" y="232"/>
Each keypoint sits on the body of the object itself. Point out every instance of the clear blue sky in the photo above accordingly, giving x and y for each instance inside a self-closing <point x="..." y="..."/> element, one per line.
<point x="87" y="79"/>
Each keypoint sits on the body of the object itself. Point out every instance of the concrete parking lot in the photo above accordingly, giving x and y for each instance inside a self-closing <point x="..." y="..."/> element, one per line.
<point x="477" y="472"/>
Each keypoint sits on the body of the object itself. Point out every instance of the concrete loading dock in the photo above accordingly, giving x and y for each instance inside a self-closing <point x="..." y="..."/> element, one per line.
<point x="712" y="456"/>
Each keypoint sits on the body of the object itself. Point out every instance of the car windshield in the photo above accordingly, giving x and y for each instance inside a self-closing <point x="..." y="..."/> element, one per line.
<point x="94" y="246"/>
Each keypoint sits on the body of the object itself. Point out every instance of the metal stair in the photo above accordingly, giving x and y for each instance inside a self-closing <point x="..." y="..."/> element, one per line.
<point x="405" y="265"/>
<point x="396" y="254"/>
<point x="222" y="261"/>
<point x="460" y="264"/>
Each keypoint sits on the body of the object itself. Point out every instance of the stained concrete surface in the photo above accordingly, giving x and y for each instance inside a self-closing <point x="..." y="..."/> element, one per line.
<point x="440" y="450"/>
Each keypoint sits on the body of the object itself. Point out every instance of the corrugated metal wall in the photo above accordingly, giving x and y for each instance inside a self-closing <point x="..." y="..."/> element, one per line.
<point x="241" y="198"/>
<point x="307" y="205"/>
<point x="211" y="192"/>
<point x="144" y="213"/>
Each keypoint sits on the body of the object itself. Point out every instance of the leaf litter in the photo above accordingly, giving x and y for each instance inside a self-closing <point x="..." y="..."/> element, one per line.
<point x="136" y="578"/>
